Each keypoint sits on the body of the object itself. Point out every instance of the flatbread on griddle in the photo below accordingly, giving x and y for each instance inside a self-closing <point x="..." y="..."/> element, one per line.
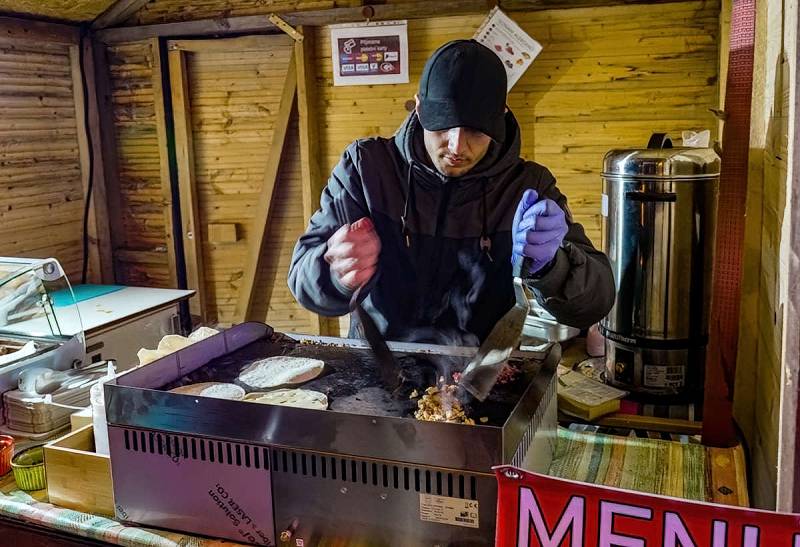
<point x="281" y="370"/>
<point x="173" y="342"/>
<point x="302" y="398"/>
<point x="215" y="390"/>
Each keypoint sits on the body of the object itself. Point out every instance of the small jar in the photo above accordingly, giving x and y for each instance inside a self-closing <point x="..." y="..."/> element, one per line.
<point x="6" y="452"/>
<point x="28" y="468"/>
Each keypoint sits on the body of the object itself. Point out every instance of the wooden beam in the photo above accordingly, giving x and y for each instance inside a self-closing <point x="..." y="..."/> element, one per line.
<point x="312" y="18"/>
<point x="117" y="13"/>
<point x="261" y="23"/>
<point x="650" y="423"/>
<point x="166" y="180"/>
<point x="106" y="165"/>
<point x="538" y="5"/>
<point x="26" y="29"/>
<point x="184" y="152"/>
<point x="311" y="180"/>
<point x="239" y="43"/>
<point x="276" y="20"/>
<point x="789" y="439"/>
<point x="260" y="222"/>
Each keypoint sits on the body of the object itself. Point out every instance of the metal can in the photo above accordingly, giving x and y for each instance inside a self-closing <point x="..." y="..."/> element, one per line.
<point x="659" y="222"/>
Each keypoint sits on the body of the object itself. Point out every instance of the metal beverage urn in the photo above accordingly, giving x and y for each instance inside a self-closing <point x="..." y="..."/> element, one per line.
<point x="659" y="208"/>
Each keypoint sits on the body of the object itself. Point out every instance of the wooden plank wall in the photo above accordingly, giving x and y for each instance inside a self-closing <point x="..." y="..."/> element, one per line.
<point x="142" y="256"/>
<point x="758" y="380"/>
<point x="272" y="299"/>
<point x="607" y="78"/>
<point x="41" y="208"/>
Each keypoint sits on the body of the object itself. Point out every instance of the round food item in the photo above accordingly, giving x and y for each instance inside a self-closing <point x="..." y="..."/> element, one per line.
<point x="302" y="398"/>
<point x="173" y="342"/>
<point x="215" y="390"/>
<point x="281" y="370"/>
<point x="202" y="333"/>
<point x="147" y="356"/>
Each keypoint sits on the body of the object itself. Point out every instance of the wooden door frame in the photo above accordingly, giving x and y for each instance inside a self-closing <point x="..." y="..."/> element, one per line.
<point x="788" y="487"/>
<point x="297" y="90"/>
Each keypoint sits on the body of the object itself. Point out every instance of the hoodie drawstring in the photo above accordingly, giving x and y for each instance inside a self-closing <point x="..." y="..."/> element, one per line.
<point x="486" y="242"/>
<point x="408" y="204"/>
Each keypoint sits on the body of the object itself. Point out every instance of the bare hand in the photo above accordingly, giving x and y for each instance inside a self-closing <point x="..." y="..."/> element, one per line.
<point x="353" y="253"/>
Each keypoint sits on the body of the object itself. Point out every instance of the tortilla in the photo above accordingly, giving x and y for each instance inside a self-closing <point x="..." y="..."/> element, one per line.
<point x="201" y="334"/>
<point x="281" y="370"/>
<point x="173" y="342"/>
<point x="301" y="398"/>
<point x="147" y="356"/>
<point x="215" y="390"/>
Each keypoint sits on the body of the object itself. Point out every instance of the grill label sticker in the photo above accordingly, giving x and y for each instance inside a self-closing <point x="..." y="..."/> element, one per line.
<point x="444" y="510"/>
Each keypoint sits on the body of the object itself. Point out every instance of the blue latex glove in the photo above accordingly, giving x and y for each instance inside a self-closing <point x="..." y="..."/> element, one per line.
<point x="538" y="230"/>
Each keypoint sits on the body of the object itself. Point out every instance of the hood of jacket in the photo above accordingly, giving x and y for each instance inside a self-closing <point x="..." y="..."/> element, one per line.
<point x="409" y="140"/>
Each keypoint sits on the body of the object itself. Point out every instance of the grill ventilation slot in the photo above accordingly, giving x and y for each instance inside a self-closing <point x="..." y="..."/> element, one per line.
<point x="383" y="475"/>
<point x="346" y="470"/>
<point x="533" y="425"/>
<point x="198" y="449"/>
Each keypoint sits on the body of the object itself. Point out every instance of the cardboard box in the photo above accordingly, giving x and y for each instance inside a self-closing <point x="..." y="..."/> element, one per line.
<point x="77" y="477"/>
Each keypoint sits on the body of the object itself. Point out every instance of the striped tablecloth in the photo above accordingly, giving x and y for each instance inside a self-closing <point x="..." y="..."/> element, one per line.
<point x="679" y="469"/>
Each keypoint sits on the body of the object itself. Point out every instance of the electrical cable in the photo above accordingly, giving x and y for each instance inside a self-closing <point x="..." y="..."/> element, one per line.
<point x="90" y="152"/>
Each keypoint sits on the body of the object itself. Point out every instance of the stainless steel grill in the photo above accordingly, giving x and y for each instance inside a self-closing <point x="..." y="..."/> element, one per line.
<point x="274" y="475"/>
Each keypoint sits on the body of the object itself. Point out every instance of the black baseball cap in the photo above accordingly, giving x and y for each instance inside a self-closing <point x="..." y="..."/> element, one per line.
<point x="463" y="84"/>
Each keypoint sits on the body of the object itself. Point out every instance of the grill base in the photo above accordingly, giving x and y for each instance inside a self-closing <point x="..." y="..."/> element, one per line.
<point x="266" y="495"/>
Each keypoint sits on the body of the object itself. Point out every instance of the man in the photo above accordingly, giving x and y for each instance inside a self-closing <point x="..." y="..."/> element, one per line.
<point x="426" y="222"/>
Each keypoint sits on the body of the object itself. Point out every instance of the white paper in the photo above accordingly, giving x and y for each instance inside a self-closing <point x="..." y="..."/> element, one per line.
<point x="510" y="43"/>
<point x="370" y="53"/>
<point x="576" y="386"/>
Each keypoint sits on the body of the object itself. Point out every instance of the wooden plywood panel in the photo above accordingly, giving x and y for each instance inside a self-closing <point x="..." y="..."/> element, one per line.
<point x="235" y="94"/>
<point x="607" y="78"/>
<point x="41" y="210"/>
<point x="143" y="246"/>
<point x="68" y="10"/>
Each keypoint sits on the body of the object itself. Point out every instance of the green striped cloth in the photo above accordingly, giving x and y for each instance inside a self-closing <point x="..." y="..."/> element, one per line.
<point x="654" y="466"/>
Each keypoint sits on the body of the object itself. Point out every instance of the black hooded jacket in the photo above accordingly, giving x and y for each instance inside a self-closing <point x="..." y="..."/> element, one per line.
<point x="435" y="282"/>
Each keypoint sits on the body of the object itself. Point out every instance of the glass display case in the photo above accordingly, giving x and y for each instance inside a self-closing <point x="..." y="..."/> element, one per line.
<point x="40" y="325"/>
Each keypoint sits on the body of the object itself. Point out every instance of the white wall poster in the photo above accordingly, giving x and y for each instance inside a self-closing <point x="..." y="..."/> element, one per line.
<point x="506" y="38"/>
<point x="370" y="53"/>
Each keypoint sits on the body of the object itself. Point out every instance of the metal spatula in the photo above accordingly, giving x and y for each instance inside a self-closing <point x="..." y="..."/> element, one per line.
<point x="481" y="373"/>
<point x="387" y="365"/>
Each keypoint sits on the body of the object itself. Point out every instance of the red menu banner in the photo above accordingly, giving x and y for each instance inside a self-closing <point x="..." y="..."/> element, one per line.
<point x="537" y="510"/>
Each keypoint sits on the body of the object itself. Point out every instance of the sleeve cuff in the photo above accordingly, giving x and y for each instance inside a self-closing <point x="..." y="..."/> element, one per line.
<point x="551" y="281"/>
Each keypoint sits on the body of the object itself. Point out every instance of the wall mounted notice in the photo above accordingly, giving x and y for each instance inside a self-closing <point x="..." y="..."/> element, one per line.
<point x="515" y="48"/>
<point x="370" y="53"/>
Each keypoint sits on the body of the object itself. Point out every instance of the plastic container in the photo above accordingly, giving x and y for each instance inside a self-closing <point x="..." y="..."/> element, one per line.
<point x="595" y="342"/>
<point x="28" y="468"/>
<point x="99" y="412"/>
<point x="6" y="452"/>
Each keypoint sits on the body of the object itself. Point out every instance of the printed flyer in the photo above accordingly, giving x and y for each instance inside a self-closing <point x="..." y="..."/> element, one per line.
<point x="370" y="53"/>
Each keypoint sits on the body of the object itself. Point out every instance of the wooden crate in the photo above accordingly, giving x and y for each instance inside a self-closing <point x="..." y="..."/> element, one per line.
<point x="77" y="477"/>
